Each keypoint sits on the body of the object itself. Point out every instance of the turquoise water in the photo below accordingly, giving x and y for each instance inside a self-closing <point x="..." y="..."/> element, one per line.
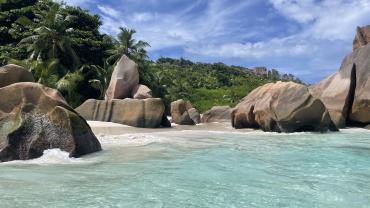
<point x="199" y="169"/>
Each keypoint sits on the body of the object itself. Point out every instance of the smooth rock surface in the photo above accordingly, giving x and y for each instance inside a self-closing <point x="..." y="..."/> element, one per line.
<point x="11" y="74"/>
<point x="34" y="118"/>
<point x="335" y="93"/>
<point x="346" y="94"/>
<point x="180" y="114"/>
<point x="147" y="113"/>
<point x="124" y="78"/>
<point x="217" y="114"/>
<point x="282" y="107"/>
<point x="141" y="92"/>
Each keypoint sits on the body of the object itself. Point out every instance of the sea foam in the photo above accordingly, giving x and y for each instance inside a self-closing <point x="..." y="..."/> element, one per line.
<point x="49" y="157"/>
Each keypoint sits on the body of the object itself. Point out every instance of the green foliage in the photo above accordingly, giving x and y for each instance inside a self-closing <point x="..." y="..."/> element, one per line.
<point x="45" y="37"/>
<point x="205" y="85"/>
<point x="68" y="85"/>
<point x="126" y="44"/>
<point x="51" y="40"/>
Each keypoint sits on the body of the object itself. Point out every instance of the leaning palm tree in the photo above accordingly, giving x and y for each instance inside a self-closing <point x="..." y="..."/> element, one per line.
<point x="128" y="46"/>
<point x="51" y="41"/>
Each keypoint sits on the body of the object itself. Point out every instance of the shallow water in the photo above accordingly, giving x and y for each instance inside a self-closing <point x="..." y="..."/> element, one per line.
<point x="198" y="168"/>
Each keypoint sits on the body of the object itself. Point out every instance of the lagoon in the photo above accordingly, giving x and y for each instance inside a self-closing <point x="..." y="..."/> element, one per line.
<point x="199" y="168"/>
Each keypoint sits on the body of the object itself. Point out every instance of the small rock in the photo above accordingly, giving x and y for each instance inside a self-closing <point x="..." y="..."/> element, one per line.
<point x="180" y="114"/>
<point x="217" y="114"/>
<point x="141" y="92"/>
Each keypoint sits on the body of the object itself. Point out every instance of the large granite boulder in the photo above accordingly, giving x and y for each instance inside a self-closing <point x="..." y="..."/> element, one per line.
<point x="141" y="92"/>
<point x="146" y="113"/>
<point x="34" y="118"/>
<point x="362" y="37"/>
<point x="335" y="93"/>
<point x="11" y="74"/>
<point x="183" y="113"/>
<point x="346" y="94"/>
<point x="217" y="114"/>
<point x="124" y="78"/>
<point x="282" y="107"/>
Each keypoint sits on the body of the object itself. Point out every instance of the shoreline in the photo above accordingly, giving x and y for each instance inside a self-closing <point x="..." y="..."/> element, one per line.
<point x="101" y="128"/>
<point x="109" y="128"/>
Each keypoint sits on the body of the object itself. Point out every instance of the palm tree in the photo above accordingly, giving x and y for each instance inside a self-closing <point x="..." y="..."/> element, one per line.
<point x="68" y="86"/>
<point x="51" y="42"/>
<point x="128" y="46"/>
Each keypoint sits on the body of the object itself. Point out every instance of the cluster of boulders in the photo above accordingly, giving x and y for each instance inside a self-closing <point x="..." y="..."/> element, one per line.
<point x="341" y="100"/>
<point x="34" y="118"/>
<point x="183" y="113"/>
<point x="124" y="82"/>
<point x="126" y="101"/>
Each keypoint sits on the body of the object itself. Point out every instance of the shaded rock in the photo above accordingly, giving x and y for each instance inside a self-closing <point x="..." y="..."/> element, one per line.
<point x="194" y="115"/>
<point x="165" y="122"/>
<point x="146" y="113"/>
<point x="11" y="74"/>
<point x="141" y="92"/>
<point x="217" y="114"/>
<point x="367" y="127"/>
<point x="362" y="37"/>
<point x="124" y="78"/>
<point x="335" y="93"/>
<point x="34" y="118"/>
<point x="282" y="107"/>
<point x="180" y="114"/>
<point x="346" y="94"/>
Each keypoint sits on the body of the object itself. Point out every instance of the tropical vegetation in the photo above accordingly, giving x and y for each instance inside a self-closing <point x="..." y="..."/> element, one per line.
<point x="64" y="49"/>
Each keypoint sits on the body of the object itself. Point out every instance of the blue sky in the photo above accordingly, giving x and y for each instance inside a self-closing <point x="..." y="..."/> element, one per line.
<point x="308" y="38"/>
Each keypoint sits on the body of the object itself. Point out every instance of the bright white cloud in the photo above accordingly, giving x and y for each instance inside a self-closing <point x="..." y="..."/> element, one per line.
<point x="302" y="11"/>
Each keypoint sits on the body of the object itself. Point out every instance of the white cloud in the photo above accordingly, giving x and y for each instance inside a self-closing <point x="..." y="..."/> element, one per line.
<point x="301" y="11"/>
<point x="326" y="19"/>
<point x="286" y="47"/>
<point x="109" y="11"/>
